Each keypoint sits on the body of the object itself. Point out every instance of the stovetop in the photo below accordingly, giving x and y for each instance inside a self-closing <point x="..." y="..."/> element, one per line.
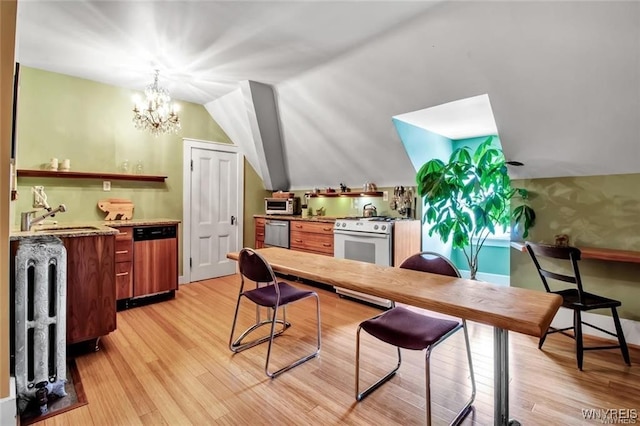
<point x="365" y="224"/>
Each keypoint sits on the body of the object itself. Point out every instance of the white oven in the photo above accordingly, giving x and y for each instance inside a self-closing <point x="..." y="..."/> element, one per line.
<point x="366" y="240"/>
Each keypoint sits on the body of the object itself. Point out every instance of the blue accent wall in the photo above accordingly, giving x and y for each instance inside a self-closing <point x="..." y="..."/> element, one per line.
<point x="421" y="146"/>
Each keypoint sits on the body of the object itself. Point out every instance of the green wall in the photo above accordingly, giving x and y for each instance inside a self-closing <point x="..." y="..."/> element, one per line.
<point x="91" y="124"/>
<point x="595" y="211"/>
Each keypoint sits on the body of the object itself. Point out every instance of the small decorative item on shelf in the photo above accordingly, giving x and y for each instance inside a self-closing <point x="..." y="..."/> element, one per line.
<point x="53" y="164"/>
<point x="343" y="188"/>
<point x="124" y="167"/>
<point x="562" y="240"/>
<point x="66" y="165"/>
<point x="330" y="191"/>
<point x="282" y="194"/>
<point x="369" y="187"/>
<point x="139" y="167"/>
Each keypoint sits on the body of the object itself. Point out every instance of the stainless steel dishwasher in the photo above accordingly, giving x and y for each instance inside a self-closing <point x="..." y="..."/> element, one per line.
<point x="276" y="233"/>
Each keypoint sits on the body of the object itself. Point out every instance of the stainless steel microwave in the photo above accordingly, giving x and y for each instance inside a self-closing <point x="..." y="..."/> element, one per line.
<point x="290" y="206"/>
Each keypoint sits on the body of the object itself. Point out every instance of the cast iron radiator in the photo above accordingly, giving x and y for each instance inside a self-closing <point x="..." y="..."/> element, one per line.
<point x="40" y="313"/>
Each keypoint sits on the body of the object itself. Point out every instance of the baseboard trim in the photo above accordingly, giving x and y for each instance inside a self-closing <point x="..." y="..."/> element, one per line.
<point x="502" y="280"/>
<point x="630" y="328"/>
<point x="8" y="407"/>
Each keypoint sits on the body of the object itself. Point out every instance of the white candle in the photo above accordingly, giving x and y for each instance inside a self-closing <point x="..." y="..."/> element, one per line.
<point x="53" y="164"/>
<point x="66" y="164"/>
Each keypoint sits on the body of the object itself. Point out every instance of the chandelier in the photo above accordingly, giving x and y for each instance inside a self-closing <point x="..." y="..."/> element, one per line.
<point x="155" y="113"/>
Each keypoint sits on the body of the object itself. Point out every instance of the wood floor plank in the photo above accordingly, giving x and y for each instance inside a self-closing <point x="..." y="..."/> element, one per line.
<point x="169" y="364"/>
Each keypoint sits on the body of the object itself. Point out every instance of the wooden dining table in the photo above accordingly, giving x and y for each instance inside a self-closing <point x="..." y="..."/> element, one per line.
<point x="504" y="308"/>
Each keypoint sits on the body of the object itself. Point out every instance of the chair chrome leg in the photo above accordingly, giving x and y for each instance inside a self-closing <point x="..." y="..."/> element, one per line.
<point x="467" y="407"/>
<point x="362" y="395"/>
<point x="427" y="385"/>
<point x="300" y="360"/>
<point x="237" y="345"/>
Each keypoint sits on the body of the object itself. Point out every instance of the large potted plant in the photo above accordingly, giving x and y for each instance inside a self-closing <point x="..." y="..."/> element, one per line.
<point x="469" y="197"/>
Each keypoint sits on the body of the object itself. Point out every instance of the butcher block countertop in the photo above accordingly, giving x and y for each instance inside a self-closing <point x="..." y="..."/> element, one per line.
<point x="321" y="219"/>
<point x="510" y="308"/>
<point x="85" y="229"/>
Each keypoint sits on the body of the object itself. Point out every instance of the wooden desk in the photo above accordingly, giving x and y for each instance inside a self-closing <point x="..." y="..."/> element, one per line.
<point x="613" y="255"/>
<point x="505" y="308"/>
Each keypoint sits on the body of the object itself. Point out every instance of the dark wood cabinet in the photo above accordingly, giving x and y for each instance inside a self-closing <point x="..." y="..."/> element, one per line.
<point x="124" y="263"/>
<point x="91" y="293"/>
<point x="259" y="221"/>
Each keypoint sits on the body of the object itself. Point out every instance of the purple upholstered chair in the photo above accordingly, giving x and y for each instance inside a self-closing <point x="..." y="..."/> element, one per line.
<point x="273" y="295"/>
<point x="404" y="328"/>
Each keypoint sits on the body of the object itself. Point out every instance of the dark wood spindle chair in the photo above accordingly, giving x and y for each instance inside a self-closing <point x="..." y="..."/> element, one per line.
<point x="576" y="299"/>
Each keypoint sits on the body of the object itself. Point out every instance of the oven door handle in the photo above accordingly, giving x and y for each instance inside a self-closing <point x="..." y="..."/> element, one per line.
<point x="361" y="234"/>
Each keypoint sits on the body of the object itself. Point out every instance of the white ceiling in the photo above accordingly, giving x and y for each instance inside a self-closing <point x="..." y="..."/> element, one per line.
<point x="563" y="77"/>
<point x="202" y="48"/>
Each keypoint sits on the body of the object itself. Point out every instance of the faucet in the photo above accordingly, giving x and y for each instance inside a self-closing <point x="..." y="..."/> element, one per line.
<point x="28" y="219"/>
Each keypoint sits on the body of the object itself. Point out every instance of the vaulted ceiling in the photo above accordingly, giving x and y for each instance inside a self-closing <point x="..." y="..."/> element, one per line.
<point x="563" y="77"/>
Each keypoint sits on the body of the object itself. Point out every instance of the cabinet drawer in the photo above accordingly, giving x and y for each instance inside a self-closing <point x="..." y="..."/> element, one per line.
<point x="321" y="243"/>
<point x="124" y="280"/>
<point x="313" y="227"/>
<point x="124" y="250"/>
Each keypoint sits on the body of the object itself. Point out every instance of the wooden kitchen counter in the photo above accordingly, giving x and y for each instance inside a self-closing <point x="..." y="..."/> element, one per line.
<point x="85" y="228"/>
<point x="322" y="219"/>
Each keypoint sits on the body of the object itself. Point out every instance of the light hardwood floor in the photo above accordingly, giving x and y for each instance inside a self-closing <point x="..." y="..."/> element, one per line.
<point x="169" y="363"/>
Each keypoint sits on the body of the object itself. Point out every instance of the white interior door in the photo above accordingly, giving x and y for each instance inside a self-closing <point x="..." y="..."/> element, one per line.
<point x="214" y="213"/>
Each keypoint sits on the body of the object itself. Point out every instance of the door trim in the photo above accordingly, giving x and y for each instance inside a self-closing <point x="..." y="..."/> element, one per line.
<point x="188" y="144"/>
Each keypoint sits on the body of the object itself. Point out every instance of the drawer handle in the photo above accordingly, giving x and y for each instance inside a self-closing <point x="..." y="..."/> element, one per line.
<point x="122" y="274"/>
<point x="298" y="226"/>
<point x="326" y="245"/>
<point x="298" y="241"/>
<point x="327" y="229"/>
<point x="122" y="251"/>
<point x="123" y="233"/>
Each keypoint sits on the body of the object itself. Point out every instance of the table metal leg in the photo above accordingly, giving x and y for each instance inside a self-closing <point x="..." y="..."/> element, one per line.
<point x="501" y="378"/>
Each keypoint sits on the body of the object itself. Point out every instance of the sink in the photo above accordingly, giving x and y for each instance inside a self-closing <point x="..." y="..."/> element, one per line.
<point x="64" y="229"/>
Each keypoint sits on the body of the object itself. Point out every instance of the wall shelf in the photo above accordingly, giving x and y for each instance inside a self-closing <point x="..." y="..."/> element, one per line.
<point x="345" y="194"/>
<point x="89" y="175"/>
